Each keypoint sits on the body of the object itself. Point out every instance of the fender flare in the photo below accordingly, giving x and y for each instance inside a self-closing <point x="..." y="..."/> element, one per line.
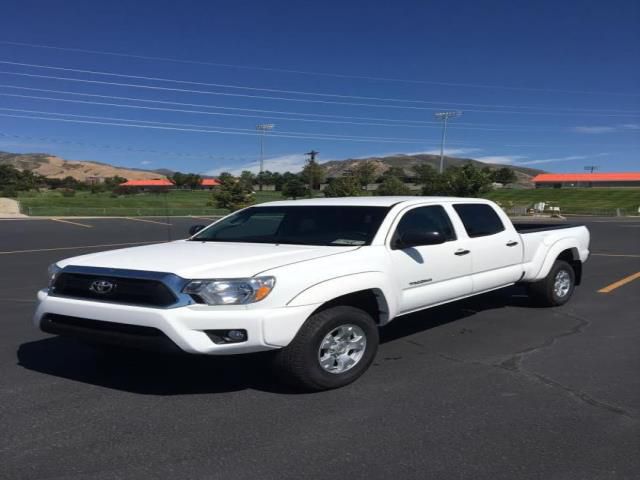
<point x="552" y="255"/>
<point x="333" y="288"/>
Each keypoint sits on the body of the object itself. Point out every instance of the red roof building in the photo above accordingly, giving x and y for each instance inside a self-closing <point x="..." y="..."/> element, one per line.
<point x="558" y="180"/>
<point x="161" y="182"/>
<point x="209" y="182"/>
<point x="166" y="183"/>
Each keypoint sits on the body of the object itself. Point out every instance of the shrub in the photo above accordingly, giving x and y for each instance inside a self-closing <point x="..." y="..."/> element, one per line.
<point x="295" y="188"/>
<point x="343" y="187"/>
<point x="9" y="191"/>
<point x="393" y="186"/>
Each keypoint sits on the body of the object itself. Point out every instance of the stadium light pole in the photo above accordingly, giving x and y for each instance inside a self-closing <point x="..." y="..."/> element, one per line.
<point x="444" y="118"/>
<point x="262" y="128"/>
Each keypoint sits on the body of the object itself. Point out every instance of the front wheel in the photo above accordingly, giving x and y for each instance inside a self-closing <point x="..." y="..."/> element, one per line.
<point x="557" y="287"/>
<point x="332" y="349"/>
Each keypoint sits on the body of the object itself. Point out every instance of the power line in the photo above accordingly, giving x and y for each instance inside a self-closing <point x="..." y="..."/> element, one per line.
<point x="315" y="74"/>
<point x="264" y="97"/>
<point x="107" y="146"/>
<point x="238" y="131"/>
<point x="36" y="97"/>
<point x="201" y="130"/>
<point x="308" y="134"/>
<point x="299" y="92"/>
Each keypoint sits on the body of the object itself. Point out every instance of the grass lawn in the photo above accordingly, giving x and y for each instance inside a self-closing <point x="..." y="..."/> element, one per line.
<point x="574" y="200"/>
<point x="102" y="204"/>
<point x="602" y="201"/>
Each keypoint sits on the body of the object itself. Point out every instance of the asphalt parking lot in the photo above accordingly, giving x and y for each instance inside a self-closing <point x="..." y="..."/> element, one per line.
<point x="485" y="388"/>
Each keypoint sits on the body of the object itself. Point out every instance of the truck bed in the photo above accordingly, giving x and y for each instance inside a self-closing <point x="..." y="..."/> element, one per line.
<point x="530" y="227"/>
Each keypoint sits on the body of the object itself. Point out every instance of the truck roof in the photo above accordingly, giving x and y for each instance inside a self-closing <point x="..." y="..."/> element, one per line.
<point x="369" y="201"/>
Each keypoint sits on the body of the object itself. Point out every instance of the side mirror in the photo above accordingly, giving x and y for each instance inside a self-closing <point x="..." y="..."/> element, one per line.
<point x="416" y="238"/>
<point x="193" y="229"/>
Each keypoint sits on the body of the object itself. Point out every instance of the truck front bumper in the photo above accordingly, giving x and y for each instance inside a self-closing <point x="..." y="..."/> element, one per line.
<point x="184" y="327"/>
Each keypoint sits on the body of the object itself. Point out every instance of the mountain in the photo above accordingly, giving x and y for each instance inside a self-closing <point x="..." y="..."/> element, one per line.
<point x="56" y="167"/>
<point x="337" y="168"/>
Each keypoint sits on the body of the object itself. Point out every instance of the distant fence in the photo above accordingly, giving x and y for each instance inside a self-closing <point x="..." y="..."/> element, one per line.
<point x="516" y="211"/>
<point x="122" y="212"/>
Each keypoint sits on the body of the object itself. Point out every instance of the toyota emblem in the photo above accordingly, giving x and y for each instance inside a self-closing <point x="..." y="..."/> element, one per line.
<point x="102" y="287"/>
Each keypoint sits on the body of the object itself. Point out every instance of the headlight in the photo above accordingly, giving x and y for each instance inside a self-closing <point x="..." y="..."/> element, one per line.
<point x="235" y="291"/>
<point x="53" y="272"/>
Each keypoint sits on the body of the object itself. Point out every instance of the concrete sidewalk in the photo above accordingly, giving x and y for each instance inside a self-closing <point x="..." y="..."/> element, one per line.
<point x="10" y="208"/>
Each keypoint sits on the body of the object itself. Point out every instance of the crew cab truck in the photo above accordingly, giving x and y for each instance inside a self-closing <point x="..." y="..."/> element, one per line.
<point x="310" y="279"/>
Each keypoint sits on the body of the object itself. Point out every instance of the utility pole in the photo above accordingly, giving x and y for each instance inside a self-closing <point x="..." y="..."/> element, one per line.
<point x="444" y="118"/>
<point x="591" y="168"/>
<point x="263" y="128"/>
<point x="312" y="154"/>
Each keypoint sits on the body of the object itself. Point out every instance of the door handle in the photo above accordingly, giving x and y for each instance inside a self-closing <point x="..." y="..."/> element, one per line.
<point x="461" y="252"/>
<point x="512" y="243"/>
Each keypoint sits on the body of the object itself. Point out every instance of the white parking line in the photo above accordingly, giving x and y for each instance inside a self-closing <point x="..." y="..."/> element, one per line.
<point x="72" y="223"/>
<point x="145" y="220"/>
<point x="80" y="247"/>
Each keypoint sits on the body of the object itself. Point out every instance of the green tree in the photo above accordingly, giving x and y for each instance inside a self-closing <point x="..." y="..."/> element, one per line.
<point x="265" y="178"/>
<point x="504" y="175"/>
<point x="343" y="187"/>
<point x="225" y="177"/>
<point x="232" y="194"/>
<point x="393" y="186"/>
<point x="295" y="188"/>
<point x="179" y="179"/>
<point x="193" y="180"/>
<point x="395" y="172"/>
<point x="429" y="178"/>
<point x="247" y="179"/>
<point x="465" y="181"/>
<point x="365" y="173"/>
<point x="313" y="174"/>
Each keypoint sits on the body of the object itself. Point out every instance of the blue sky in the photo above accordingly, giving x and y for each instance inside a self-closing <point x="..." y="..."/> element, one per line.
<point x="548" y="84"/>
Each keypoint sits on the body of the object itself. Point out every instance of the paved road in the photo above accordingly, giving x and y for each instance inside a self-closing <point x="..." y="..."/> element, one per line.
<point x="486" y="388"/>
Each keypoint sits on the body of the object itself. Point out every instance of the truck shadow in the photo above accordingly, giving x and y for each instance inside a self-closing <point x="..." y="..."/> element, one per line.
<point x="149" y="373"/>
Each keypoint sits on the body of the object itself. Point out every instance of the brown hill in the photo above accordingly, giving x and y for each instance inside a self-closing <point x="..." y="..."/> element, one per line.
<point x="338" y="168"/>
<point x="56" y="167"/>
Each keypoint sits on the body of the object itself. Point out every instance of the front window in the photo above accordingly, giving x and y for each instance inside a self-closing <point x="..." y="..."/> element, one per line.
<point x="304" y="225"/>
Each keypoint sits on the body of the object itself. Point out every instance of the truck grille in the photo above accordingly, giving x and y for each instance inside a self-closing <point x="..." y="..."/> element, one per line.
<point x="130" y="291"/>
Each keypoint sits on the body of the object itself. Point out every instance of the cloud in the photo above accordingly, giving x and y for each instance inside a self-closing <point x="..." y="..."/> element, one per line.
<point x="146" y="162"/>
<point x="449" y="151"/>
<point x="631" y="126"/>
<point x="292" y="163"/>
<point x="568" y="158"/>
<point x="556" y="159"/>
<point x="505" y="159"/>
<point x="594" y="130"/>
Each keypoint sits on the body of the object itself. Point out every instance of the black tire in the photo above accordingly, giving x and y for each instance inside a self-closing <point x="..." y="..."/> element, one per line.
<point x="544" y="292"/>
<point x="298" y="364"/>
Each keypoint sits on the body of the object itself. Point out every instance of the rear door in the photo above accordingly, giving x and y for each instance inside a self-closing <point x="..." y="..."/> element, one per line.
<point x="429" y="274"/>
<point x="495" y="246"/>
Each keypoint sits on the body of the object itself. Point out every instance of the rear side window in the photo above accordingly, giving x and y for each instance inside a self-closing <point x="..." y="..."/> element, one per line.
<point x="479" y="220"/>
<point x="432" y="219"/>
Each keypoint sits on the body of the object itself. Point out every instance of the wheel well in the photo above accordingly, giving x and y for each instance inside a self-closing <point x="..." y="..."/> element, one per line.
<point x="371" y="301"/>
<point x="572" y="257"/>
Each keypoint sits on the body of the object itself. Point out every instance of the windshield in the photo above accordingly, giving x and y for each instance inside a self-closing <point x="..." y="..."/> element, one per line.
<point x="317" y="225"/>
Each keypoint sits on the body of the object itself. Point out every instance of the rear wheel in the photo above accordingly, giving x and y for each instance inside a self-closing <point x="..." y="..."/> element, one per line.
<point x="557" y="287"/>
<point x="332" y="349"/>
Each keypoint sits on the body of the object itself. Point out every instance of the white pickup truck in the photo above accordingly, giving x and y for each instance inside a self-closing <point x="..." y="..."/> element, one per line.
<point x="310" y="279"/>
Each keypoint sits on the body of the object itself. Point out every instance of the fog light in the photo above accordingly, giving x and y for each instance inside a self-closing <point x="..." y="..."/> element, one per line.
<point x="227" y="336"/>
<point x="237" y="335"/>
